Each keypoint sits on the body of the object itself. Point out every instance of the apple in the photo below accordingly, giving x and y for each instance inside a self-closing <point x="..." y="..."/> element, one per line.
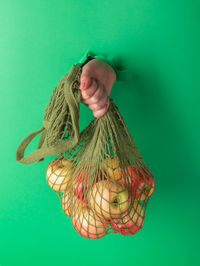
<point x="114" y="171"/>
<point x="58" y="174"/>
<point x="83" y="180"/>
<point x="70" y="202"/>
<point x="131" y="223"/>
<point x="66" y="202"/>
<point x="111" y="167"/>
<point x="109" y="199"/>
<point x="87" y="223"/>
<point x="140" y="180"/>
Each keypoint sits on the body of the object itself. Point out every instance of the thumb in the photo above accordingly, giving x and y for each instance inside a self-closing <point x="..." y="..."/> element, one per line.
<point x="85" y="81"/>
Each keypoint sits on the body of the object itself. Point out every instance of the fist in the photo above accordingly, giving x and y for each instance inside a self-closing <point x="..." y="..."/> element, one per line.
<point x="96" y="82"/>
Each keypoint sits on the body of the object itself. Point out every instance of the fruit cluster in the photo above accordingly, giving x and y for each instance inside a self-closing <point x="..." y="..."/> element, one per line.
<point x="111" y="199"/>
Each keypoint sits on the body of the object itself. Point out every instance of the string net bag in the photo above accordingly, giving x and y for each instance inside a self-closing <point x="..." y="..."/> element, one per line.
<point x="60" y="128"/>
<point x="99" y="175"/>
<point x="103" y="182"/>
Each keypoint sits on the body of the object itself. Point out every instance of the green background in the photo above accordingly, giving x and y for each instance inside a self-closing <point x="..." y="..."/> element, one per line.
<point x="160" y="42"/>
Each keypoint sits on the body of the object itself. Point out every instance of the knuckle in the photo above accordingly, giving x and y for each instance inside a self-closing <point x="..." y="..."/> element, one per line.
<point x="85" y="94"/>
<point x="100" y="112"/>
<point x="83" y="77"/>
<point x="95" y="99"/>
<point x="97" y="106"/>
<point x="96" y="114"/>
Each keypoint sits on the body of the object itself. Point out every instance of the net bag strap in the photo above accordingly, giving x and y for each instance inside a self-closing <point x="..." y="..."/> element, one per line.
<point x="66" y="144"/>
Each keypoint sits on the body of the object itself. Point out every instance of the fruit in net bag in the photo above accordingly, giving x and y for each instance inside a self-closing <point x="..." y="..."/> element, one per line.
<point x="81" y="180"/>
<point x="141" y="181"/>
<point x="106" y="148"/>
<point x="109" y="199"/>
<point x="86" y="222"/>
<point x="58" y="174"/>
<point x="66" y="202"/>
<point x="130" y="223"/>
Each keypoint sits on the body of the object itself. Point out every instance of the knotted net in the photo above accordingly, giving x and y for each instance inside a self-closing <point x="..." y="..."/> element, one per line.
<point x="60" y="129"/>
<point x="103" y="183"/>
<point x="99" y="175"/>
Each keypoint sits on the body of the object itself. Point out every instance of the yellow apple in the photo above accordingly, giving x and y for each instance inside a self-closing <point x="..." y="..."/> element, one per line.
<point x="109" y="199"/>
<point x="58" y="174"/>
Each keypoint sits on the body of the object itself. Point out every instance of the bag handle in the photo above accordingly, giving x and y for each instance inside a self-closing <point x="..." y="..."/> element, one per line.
<point x="74" y="109"/>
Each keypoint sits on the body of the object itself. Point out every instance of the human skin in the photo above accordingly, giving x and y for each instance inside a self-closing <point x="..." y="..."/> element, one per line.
<point x="96" y="82"/>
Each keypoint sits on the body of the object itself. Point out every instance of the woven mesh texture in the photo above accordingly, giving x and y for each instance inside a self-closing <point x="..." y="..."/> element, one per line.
<point x="57" y="117"/>
<point x="103" y="183"/>
<point x="60" y="130"/>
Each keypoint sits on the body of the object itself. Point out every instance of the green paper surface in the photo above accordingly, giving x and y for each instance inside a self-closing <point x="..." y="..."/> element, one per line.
<point x="159" y="41"/>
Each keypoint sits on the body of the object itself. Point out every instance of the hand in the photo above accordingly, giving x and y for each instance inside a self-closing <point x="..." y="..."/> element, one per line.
<point x="96" y="80"/>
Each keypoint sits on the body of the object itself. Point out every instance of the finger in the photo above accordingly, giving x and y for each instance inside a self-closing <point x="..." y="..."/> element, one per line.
<point x="85" y="81"/>
<point x="100" y="105"/>
<point x="101" y="112"/>
<point x="98" y="95"/>
<point x="89" y="92"/>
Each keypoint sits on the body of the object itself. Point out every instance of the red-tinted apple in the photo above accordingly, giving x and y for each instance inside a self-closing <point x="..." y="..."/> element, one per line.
<point x="131" y="223"/>
<point x="83" y="181"/>
<point x="87" y="223"/>
<point x="142" y="182"/>
<point x="139" y="180"/>
<point x="109" y="199"/>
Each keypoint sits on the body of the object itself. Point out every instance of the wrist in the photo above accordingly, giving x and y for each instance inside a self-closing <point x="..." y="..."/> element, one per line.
<point x="121" y="73"/>
<point x="89" y="58"/>
<point x="111" y="60"/>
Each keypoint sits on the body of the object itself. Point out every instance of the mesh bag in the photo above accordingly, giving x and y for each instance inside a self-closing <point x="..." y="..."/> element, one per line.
<point x="99" y="175"/>
<point x="103" y="183"/>
<point x="60" y="129"/>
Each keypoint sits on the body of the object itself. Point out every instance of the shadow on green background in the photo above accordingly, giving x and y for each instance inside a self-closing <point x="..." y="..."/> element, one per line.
<point x="159" y="41"/>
